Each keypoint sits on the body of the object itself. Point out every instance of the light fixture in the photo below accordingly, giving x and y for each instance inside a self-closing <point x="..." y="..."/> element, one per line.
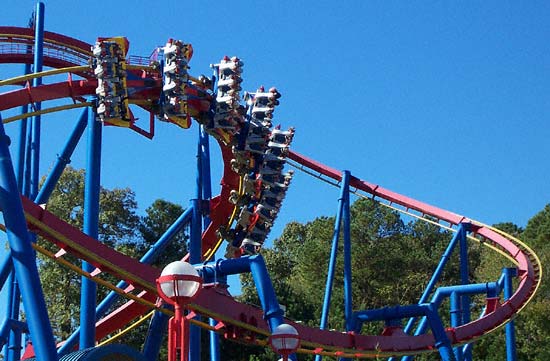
<point x="284" y="340"/>
<point x="179" y="283"/>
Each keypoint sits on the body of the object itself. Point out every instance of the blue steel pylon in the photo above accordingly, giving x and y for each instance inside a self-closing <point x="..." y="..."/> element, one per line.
<point x="23" y="256"/>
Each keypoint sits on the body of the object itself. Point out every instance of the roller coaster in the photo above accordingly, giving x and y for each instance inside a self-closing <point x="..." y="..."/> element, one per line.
<point x="107" y="83"/>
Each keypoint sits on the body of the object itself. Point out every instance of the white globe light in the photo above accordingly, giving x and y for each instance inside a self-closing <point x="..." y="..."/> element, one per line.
<point x="179" y="288"/>
<point x="290" y="341"/>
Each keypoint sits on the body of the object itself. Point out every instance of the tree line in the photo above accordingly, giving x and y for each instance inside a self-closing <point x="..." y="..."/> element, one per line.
<point x="392" y="261"/>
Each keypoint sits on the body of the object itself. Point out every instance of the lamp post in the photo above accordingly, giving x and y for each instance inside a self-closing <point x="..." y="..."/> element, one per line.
<point x="178" y="284"/>
<point x="284" y="340"/>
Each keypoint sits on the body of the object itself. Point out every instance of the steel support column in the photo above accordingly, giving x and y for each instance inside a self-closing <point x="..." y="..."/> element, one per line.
<point x="90" y="227"/>
<point x="465" y="299"/>
<point x="456" y="320"/>
<point x="206" y="196"/>
<point x="37" y="68"/>
<point x="195" y="246"/>
<point x="23" y="255"/>
<point x="333" y="253"/>
<point x="511" y="353"/>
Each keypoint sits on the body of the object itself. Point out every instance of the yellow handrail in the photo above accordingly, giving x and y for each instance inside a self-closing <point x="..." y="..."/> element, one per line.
<point x="24" y="78"/>
<point x="47" y="111"/>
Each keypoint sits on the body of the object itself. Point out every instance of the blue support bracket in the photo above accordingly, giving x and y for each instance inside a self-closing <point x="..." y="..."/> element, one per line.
<point x="273" y="313"/>
<point x="12" y="325"/>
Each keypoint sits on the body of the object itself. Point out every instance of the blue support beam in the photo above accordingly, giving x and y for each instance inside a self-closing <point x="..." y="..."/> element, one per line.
<point x="195" y="255"/>
<point x="348" y="307"/>
<point x="348" y="287"/>
<point x="37" y="68"/>
<point x="443" y="292"/>
<point x="23" y="255"/>
<point x="256" y="266"/>
<point x="429" y="310"/>
<point x="461" y="232"/>
<point x="9" y="325"/>
<point x="456" y="320"/>
<point x="153" y="341"/>
<point x="14" y="346"/>
<point x="205" y="169"/>
<point x="91" y="228"/>
<point x="442" y="342"/>
<point x="206" y="196"/>
<point x="14" y="294"/>
<point x="5" y="269"/>
<point x="28" y="160"/>
<point x="20" y="170"/>
<point x="489" y="288"/>
<point x="465" y="299"/>
<point x="273" y="313"/>
<point x="344" y="188"/>
<point x="511" y="352"/>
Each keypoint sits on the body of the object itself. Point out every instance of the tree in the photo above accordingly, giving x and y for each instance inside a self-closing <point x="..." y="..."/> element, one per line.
<point x="537" y="236"/>
<point x="391" y="261"/>
<point x="117" y="224"/>
<point x="532" y="332"/>
<point x="159" y="217"/>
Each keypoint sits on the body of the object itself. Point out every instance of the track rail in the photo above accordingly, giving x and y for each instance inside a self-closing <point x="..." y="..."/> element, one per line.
<point x="67" y="52"/>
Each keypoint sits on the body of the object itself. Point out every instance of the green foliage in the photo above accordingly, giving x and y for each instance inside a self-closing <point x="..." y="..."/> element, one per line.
<point x="119" y="227"/>
<point x="392" y="262"/>
<point x="159" y="217"/>
<point x="537" y="236"/>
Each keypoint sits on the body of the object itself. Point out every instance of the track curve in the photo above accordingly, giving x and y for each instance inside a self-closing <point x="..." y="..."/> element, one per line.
<point x="211" y="302"/>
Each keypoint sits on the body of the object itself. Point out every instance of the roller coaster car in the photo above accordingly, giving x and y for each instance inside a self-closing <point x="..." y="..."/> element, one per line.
<point x="274" y="160"/>
<point x="175" y="66"/>
<point x="114" y="112"/>
<point x="105" y="87"/>
<point x="230" y="66"/>
<point x="231" y="85"/>
<point x="177" y="48"/>
<point x="175" y="85"/>
<point x="105" y="69"/>
<point x="260" y="112"/>
<point x="176" y="111"/>
<point x="278" y="151"/>
<point x="267" y="99"/>
<point x="109" y="65"/>
<point x="227" y="101"/>
<point x="116" y="46"/>
<point x="250" y="247"/>
<point x="282" y="136"/>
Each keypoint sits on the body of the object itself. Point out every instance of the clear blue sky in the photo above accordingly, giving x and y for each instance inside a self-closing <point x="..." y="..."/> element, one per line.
<point x="445" y="102"/>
